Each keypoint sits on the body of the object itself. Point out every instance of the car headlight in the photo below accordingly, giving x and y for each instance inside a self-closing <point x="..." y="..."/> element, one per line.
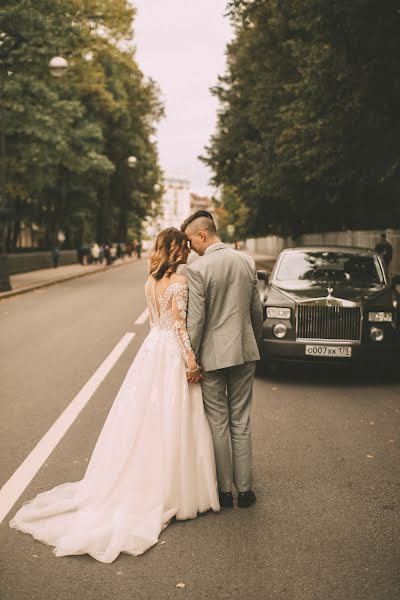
<point x="279" y="330"/>
<point x="380" y="317"/>
<point x="376" y="334"/>
<point x="275" y="312"/>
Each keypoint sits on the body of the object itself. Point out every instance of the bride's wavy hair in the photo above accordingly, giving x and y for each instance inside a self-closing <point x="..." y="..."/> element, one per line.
<point x="168" y="252"/>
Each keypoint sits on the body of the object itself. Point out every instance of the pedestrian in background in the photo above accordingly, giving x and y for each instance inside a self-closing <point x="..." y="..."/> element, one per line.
<point x="95" y="253"/>
<point x="80" y="254"/>
<point x="113" y="252"/>
<point x="55" y="256"/>
<point x="107" y="254"/>
<point x="120" y="251"/>
<point x="102" y="254"/>
<point x="384" y="248"/>
<point x="138" y="248"/>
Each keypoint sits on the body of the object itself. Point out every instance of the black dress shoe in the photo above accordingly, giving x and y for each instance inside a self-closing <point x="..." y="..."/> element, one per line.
<point x="246" y="499"/>
<point x="225" y="499"/>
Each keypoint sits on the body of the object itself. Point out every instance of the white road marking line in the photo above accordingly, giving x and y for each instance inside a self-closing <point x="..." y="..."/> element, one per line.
<point x="19" y="481"/>
<point x="143" y="317"/>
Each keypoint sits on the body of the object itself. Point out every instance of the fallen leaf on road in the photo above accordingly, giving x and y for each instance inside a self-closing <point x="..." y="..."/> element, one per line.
<point x="391" y="441"/>
<point x="372" y="422"/>
<point x="370" y="456"/>
<point x="274" y="388"/>
<point x="35" y="556"/>
<point x="163" y="542"/>
<point x="180" y="585"/>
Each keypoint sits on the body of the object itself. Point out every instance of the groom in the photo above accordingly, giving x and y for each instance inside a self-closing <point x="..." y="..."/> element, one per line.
<point x="224" y="324"/>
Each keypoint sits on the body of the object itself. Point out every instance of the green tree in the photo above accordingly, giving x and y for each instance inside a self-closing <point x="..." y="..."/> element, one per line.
<point x="128" y="123"/>
<point x="231" y="212"/>
<point x="67" y="140"/>
<point x="308" y="121"/>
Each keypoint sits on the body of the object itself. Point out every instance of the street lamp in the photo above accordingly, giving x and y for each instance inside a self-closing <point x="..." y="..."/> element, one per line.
<point x="57" y="66"/>
<point x="132" y="160"/>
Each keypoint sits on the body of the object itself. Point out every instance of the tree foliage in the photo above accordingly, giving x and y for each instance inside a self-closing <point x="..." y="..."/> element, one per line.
<point x="68" y="139"/>
<point x="308" y="122"/>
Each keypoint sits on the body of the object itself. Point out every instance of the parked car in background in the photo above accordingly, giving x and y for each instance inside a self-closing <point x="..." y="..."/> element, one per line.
<point x="330" y="304"/>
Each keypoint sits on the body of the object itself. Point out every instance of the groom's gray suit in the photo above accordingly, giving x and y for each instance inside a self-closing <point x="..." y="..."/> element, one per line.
<point x="224" y="324"/>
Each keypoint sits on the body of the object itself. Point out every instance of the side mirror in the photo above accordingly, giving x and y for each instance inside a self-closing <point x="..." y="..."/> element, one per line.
<point x="262" y="275"/>
<point x="396" y="280"/>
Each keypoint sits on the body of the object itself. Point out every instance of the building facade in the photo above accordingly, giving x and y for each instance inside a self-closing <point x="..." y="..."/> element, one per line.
<point x="175" y="207"/>
<point x="198" y="202"/>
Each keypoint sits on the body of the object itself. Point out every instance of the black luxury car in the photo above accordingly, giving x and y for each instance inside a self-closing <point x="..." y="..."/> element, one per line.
<point x="329" y="303"/>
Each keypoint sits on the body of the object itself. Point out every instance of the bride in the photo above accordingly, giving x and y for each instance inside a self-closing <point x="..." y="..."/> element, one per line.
<point x="154" y="458"/>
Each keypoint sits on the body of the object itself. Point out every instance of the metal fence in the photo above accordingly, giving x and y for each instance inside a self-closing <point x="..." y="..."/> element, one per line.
<point x="31" y="261"/>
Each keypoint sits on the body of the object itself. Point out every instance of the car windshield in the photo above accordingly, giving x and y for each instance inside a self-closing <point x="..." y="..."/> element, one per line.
<point x="357" y="269"/>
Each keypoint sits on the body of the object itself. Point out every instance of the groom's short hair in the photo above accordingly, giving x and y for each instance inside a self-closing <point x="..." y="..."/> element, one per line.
<point x="205" y="218"/>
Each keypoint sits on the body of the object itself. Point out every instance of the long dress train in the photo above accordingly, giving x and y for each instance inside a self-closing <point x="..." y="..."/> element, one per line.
<point x="153" y="459"/>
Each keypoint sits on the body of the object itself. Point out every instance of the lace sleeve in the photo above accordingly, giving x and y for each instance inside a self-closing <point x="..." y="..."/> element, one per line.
<point x="150" y="306"/>
<point x="179" y="310"/>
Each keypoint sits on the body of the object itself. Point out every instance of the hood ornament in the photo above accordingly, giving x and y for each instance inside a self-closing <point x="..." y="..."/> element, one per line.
<point x="329" y="297"/>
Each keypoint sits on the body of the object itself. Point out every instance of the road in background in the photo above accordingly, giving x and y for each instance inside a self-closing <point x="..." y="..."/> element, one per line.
<point x="326" y="454"/>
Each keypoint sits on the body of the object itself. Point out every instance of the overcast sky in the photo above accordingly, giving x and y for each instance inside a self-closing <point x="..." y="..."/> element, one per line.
<point x="181" y="44"/>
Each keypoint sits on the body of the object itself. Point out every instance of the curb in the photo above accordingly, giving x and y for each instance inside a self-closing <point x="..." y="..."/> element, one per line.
<point x="36" y="286"/>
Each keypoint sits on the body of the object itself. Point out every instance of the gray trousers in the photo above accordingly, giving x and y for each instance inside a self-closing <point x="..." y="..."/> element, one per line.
<point x="227" y="396"/>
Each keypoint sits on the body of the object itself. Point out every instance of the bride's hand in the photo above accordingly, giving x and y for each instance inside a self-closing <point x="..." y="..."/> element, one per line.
<point x="194" y="375"/>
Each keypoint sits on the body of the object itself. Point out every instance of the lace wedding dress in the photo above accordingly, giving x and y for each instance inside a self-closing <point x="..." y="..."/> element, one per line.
<point x="153" y="459"/>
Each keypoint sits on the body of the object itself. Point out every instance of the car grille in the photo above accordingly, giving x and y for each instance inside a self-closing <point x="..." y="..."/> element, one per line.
<point x="328" y="322"/>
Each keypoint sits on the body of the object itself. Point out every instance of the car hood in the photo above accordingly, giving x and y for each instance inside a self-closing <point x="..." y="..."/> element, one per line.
<point x="300" y="292"/>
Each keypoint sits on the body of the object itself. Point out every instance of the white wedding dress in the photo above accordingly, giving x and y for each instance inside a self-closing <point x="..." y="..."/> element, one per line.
<point x="153" y="460"/>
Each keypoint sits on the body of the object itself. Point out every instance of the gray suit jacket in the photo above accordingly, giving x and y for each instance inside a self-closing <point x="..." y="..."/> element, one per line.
<point x="224" y="314"/>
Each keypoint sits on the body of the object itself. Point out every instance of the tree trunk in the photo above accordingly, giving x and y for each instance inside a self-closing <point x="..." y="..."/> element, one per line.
<point x="16" y="232"/>
<point x="122" y="225"/>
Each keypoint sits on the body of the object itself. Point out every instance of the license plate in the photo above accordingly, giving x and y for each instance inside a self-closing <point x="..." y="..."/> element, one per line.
<point x="323" y="351"/>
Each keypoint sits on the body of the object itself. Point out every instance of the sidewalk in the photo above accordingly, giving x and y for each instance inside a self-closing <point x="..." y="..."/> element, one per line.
<point x="32" y="280"/>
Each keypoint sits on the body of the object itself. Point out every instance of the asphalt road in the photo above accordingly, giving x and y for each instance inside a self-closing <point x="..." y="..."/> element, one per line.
<point x="326" y="465"/>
